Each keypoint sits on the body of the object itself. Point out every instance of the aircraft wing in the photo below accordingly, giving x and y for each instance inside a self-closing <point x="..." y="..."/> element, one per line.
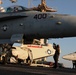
<point x="5" y="16"/>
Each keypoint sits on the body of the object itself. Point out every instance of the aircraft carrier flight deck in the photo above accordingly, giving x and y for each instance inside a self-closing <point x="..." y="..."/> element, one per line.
<point x="27" y="70"/>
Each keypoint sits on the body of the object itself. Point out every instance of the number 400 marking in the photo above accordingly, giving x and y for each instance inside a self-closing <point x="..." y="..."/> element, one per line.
<point x="40" y="16"/>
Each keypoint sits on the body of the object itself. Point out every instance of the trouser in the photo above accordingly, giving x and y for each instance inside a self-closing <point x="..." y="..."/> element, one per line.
<point x="74" y="65"/>
<point x="56" y="61"/>
<point x="56" y="64"/>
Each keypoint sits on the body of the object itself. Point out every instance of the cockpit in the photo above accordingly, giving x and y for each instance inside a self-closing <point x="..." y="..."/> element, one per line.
<point x="16" y="8"/>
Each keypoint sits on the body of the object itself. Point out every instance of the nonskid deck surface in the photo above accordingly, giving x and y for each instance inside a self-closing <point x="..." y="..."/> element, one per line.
<point x="22" y="70"/>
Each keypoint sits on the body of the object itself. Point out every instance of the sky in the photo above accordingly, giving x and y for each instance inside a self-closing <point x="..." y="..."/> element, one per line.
<point x="67" y="45"/>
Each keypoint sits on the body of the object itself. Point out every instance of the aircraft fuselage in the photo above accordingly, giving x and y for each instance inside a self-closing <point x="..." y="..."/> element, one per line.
<point x="33" y="24"/>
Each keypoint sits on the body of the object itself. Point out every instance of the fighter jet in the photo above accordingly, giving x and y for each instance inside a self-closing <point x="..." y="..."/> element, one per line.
<point x="71" y="56"/>
<point x="20" y="22"/>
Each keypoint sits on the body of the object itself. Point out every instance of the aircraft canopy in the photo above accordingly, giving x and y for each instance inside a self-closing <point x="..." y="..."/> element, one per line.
<point x="16" y="8"/>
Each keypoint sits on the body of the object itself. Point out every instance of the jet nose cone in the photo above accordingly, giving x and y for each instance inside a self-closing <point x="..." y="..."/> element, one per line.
<point x="71" y="56"/>
<point x="66" y="57"/>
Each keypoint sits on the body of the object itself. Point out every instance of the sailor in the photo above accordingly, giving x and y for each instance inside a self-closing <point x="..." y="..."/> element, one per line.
<point x="56" y="55"/>
<point x="74" y="64"/>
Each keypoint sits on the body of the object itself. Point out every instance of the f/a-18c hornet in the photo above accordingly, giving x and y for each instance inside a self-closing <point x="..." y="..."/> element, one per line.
<point x="18" y="21"/>
<point x="20" y="24"/>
